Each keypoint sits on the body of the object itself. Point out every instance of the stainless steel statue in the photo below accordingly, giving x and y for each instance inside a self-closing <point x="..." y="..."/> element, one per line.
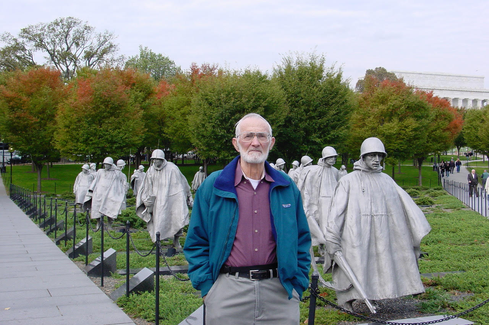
<point x="107" y="192"/>
<point x="294" y="171"/>
<point x="163" y="199"/>
<point x="199" y="177"/>
<point x="377" y="228"/>
<point x="82" y="183"/>
<point x="137" y="179"/>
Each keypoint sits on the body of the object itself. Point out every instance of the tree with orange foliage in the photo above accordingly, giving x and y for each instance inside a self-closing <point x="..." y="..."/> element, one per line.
<point x="28" y="106"/>
<point x="103" y="114"/>
<point x="411" y="123"/>
<point x="390" y="111"/>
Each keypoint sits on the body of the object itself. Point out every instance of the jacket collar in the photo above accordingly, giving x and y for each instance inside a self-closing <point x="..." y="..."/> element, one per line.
<point x="225" y="181"/>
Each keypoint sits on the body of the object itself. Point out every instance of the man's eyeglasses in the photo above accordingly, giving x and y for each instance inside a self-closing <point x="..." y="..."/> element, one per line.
<point x="263" y="137"/>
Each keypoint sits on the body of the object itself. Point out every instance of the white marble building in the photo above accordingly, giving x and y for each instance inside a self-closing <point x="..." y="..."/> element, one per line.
<point x="459" y="90"/>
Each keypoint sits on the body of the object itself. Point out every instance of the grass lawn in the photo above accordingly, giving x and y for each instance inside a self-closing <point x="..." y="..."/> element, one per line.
<point x="458" y="242"/>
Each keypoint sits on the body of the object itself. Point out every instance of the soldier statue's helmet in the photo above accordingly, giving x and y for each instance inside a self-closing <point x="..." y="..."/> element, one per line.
<point x="158" y="154"/>
<point x="121" y="163"/>
<point x="371" y="145"/>
<point x="305" y="160"/>
<point x="295" y="163"/>
<point x="108" y="160"/>
<point x="86" y="167"/>
<point x="328" y="152"/>
<point x="280" y="162"/>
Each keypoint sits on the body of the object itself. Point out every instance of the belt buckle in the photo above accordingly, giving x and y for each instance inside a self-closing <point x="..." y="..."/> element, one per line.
<point x="251" y="274"/>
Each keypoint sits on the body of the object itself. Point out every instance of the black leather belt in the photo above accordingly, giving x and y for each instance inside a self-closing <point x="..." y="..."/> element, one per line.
<point x="256" y="272"/>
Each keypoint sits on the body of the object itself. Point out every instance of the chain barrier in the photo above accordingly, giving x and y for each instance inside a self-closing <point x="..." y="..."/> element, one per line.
<point x="171" y="271"/>
<point x="115" y="238"/>
<point x="137" y="251"/>
<point x="315" y="293"/>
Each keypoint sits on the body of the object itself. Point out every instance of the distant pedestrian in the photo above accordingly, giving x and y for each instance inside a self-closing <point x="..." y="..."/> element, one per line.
<point x="458" y="163"/>
<point x="473" y="180"/>
<point x="484" y="177"/>
<point x="447" y="168"/>
<point x="441" y="168"/>
<point x="452" y="165"/>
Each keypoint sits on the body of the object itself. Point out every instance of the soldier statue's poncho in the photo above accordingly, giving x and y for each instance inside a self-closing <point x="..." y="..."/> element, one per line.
<point x="378" y="228"/>
<point x="82" y="183"/>
<point x="165" y="192"/>
<point x="309" y="187"/>
<point x="137" y="180"/>
<point x="108" y="191"/>
<point x="199" y="178"/>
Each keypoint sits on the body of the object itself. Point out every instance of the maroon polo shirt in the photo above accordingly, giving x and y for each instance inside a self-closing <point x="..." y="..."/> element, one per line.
<point x="254" y="243"/>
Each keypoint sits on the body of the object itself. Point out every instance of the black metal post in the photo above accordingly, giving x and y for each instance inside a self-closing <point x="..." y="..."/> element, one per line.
<point x="11" y="164"/>
<point x="102" y="250"/>
<point x="312" y="299"/>
<point x="87" y="224"/>
<point x="56" y="217"/>
<point x="157" y="275"/>
<point x="128" y="225"/>
<point x="66" y="222"/>
<point x="74" y="230"/>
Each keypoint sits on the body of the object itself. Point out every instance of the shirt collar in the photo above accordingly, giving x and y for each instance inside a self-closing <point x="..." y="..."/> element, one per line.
<point x="239" y="176"/>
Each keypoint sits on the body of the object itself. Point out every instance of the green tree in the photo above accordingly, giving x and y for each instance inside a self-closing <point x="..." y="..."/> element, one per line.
<point x="460" y="138"/>
<point x="320" y="103"/>
<point x="102" y="115"/>
<point x="15" y="55"/>
<point x="28" y="103"/>
<point x="445" y="124"/>
<point x="222" y="101"/>
<point x="475" y="129"/>
<point x="379" y="73"/>
<point x="392" y="112"/>
<point x="157" y="65"/>
<point x="68" y="44"/>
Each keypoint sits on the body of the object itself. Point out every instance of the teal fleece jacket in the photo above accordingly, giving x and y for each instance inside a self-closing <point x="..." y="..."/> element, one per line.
<point x="214" y="221"/>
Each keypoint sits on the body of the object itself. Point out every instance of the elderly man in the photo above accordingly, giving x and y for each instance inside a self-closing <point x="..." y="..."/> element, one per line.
<point x="163" y="199"/>
<point x="106" y="193"/>
<point x="375" y="227"/>
<point x="248" y="240"/>
<point x="82" y="182"/>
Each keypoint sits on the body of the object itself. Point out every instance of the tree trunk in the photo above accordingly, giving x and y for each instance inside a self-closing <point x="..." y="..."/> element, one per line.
<point x="39" y="171"/>
<point x="420" y="166"/>
<point x="393" y="172"/>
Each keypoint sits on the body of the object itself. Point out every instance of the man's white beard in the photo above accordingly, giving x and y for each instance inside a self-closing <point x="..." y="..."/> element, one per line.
<point x="253" y="157"/>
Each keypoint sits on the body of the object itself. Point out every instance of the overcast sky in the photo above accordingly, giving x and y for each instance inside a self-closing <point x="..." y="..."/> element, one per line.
<point x="449" y="36"/>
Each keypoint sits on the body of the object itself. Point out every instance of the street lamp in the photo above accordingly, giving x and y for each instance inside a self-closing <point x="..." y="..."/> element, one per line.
<point x="11" y="150"/>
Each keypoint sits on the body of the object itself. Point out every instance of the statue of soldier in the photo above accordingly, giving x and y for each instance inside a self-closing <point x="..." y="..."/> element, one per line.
<point x="342" y="172"/>
<point x="164" y="199"/>
<point x="309" y="187"/>
<point x="106" y="193"/>
<point x="280" y="165"/>
<point x="293" y="172"/>
<point x="199" y="177"/>
<point x="137" y="179"/>
<point x="93" y="169"/>
<point x="374" y="229"/>
<point x="82" y="182"/>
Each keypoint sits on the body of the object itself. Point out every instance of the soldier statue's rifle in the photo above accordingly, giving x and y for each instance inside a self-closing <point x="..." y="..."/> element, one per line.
<point x="341" y="261"/>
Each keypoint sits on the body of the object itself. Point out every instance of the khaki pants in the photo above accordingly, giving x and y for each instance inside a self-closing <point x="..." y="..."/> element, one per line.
<point x="241" y="301"/>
